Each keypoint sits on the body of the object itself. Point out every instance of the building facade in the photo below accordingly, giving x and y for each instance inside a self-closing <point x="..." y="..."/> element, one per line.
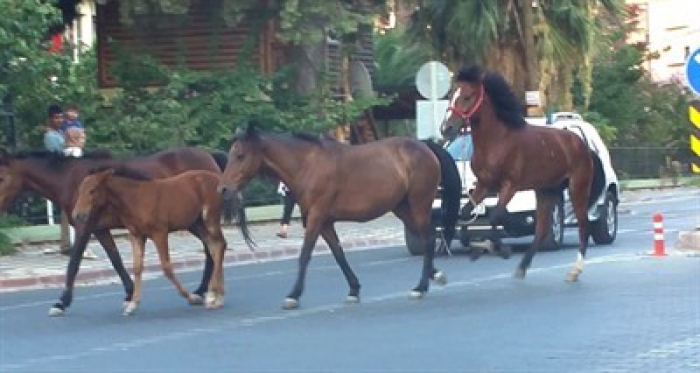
<point x="671" y="30"/>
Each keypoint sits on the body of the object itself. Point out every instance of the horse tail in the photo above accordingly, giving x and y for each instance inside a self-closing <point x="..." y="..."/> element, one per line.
<point x="220" y="158"/>
<point x="231" y="205"/>
<point x="598" y="183"/>
<point x="451" y="184"/>
<point x="243" y="221"/>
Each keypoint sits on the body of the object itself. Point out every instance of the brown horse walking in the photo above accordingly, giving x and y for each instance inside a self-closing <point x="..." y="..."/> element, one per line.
<point x="151" y="209"/>
<point x="511" y="155"/>
<point x="57" y="178"/>
<point x="338" y="182"/>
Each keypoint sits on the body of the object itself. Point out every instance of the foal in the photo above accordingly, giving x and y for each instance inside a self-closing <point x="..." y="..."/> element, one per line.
<point x="152" y="209"/>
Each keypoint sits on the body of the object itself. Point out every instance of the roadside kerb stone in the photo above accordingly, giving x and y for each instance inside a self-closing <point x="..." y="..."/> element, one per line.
<point x="688" y="240"/>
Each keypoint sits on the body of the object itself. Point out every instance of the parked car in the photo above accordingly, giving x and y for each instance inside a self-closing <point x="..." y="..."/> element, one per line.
<point x="521" y="218"/>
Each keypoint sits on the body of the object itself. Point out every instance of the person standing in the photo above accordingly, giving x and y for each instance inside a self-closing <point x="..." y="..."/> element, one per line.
<point x="288" y="207"/>
<point x="53" y="137"/>
<point x="73" y="132"/>
<point x="54" y="141"/>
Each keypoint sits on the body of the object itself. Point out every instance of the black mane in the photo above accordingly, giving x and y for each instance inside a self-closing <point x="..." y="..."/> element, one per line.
<point x="507" y="106"/>
<point x="304" y="136"/>
<point x="251" y="133"/>
<point x="122" y="171"/>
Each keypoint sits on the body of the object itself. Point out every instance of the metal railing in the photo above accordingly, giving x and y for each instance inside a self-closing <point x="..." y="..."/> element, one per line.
<point x="650" y="162"/>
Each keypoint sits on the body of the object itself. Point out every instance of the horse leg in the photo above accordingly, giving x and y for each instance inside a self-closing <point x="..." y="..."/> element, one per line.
<point x="216" y="243"/>
<point x="105" y="238"/>
<point x="475" y="198"/>
<point x="330" y="235"/>
<point x="420" y="223"/>
<point x="311" y="233"/>
<point x="578" y="192"/>
<point x="82" y="236"/>
<point x="497" y="216"/>
<point x="160" y="240"/>
<point x="198" y="231"/>
<point x="545" y="203"/>
<point x="138" y="250"/>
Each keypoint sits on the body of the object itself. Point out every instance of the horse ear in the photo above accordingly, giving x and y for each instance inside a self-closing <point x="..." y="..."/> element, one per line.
<point x="251" y="131"/>
<point x="106" y="173"/>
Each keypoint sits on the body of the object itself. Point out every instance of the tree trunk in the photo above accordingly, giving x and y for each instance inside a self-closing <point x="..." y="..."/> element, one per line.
<point x="527" y="33"/>
<point x="507" y="60"/>
<point x="310" y="64"/>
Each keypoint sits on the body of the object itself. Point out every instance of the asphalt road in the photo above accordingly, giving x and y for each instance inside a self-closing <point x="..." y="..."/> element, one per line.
<point x="629" y="313"/>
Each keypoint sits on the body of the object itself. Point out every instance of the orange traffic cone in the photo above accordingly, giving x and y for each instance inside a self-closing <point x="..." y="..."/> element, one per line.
<point x="659" y="245"/>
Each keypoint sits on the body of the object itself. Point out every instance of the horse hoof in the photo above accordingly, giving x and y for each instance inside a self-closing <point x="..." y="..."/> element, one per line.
<point x="215" y="302"/>
<point x="130" y="308"/>
<point x="572" y="277"/>
<point x="209" y="298"/>
<point x="415" y="294"/>
<point x="56" y="311"/>
<point x="195" y="300"/>
<point x="519" y="274"/>
<point x="290" y="304"/>
<point x="505" y="252"/>
<point x="475" y="254"/>
<point x="440" y="278"/>
<point x="352" y="299"/>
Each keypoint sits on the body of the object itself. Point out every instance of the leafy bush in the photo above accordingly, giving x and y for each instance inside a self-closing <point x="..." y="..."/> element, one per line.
<point x="203" y="108"/>
<point x="6" y="246"/>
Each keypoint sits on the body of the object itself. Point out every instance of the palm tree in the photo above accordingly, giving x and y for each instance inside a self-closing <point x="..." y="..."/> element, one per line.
<point x="397" y="60"/>
<point x="538" y="45"/>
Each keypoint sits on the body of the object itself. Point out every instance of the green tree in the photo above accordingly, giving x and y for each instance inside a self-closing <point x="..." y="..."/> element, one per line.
<point x="31" y="78"/>
<point x="397" y="59"/>
<point x="537" y="48"/>
<point x="642" y="112"/>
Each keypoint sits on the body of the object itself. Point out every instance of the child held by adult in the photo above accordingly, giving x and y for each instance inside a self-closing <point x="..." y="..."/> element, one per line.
<point x="73" y="131"/>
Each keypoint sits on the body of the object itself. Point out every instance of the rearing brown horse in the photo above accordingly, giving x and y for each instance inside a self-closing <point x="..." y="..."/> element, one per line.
<point x="511" y="155"/>
<point x="339" y="182"/>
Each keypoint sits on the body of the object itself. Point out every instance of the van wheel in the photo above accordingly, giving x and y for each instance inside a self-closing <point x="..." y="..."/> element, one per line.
<point x="604" y="230"/>
<point x="413" y="240"/>
<point x="555" y="236"/>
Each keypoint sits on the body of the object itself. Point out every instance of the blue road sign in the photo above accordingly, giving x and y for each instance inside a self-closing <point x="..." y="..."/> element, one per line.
<point x="692" y="71"/>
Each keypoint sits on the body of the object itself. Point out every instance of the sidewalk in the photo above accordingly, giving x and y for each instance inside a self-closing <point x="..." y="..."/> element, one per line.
<point x="31" y="268"/>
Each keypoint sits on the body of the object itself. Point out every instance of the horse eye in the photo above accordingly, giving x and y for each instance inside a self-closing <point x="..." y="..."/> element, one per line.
<point x="240" y="157"/>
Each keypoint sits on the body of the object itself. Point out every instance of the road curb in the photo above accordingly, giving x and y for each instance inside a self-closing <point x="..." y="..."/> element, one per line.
<point x="107" y="274"/>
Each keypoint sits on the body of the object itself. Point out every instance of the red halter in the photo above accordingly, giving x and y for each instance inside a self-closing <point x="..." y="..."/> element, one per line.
<point x="466" y="115"/>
